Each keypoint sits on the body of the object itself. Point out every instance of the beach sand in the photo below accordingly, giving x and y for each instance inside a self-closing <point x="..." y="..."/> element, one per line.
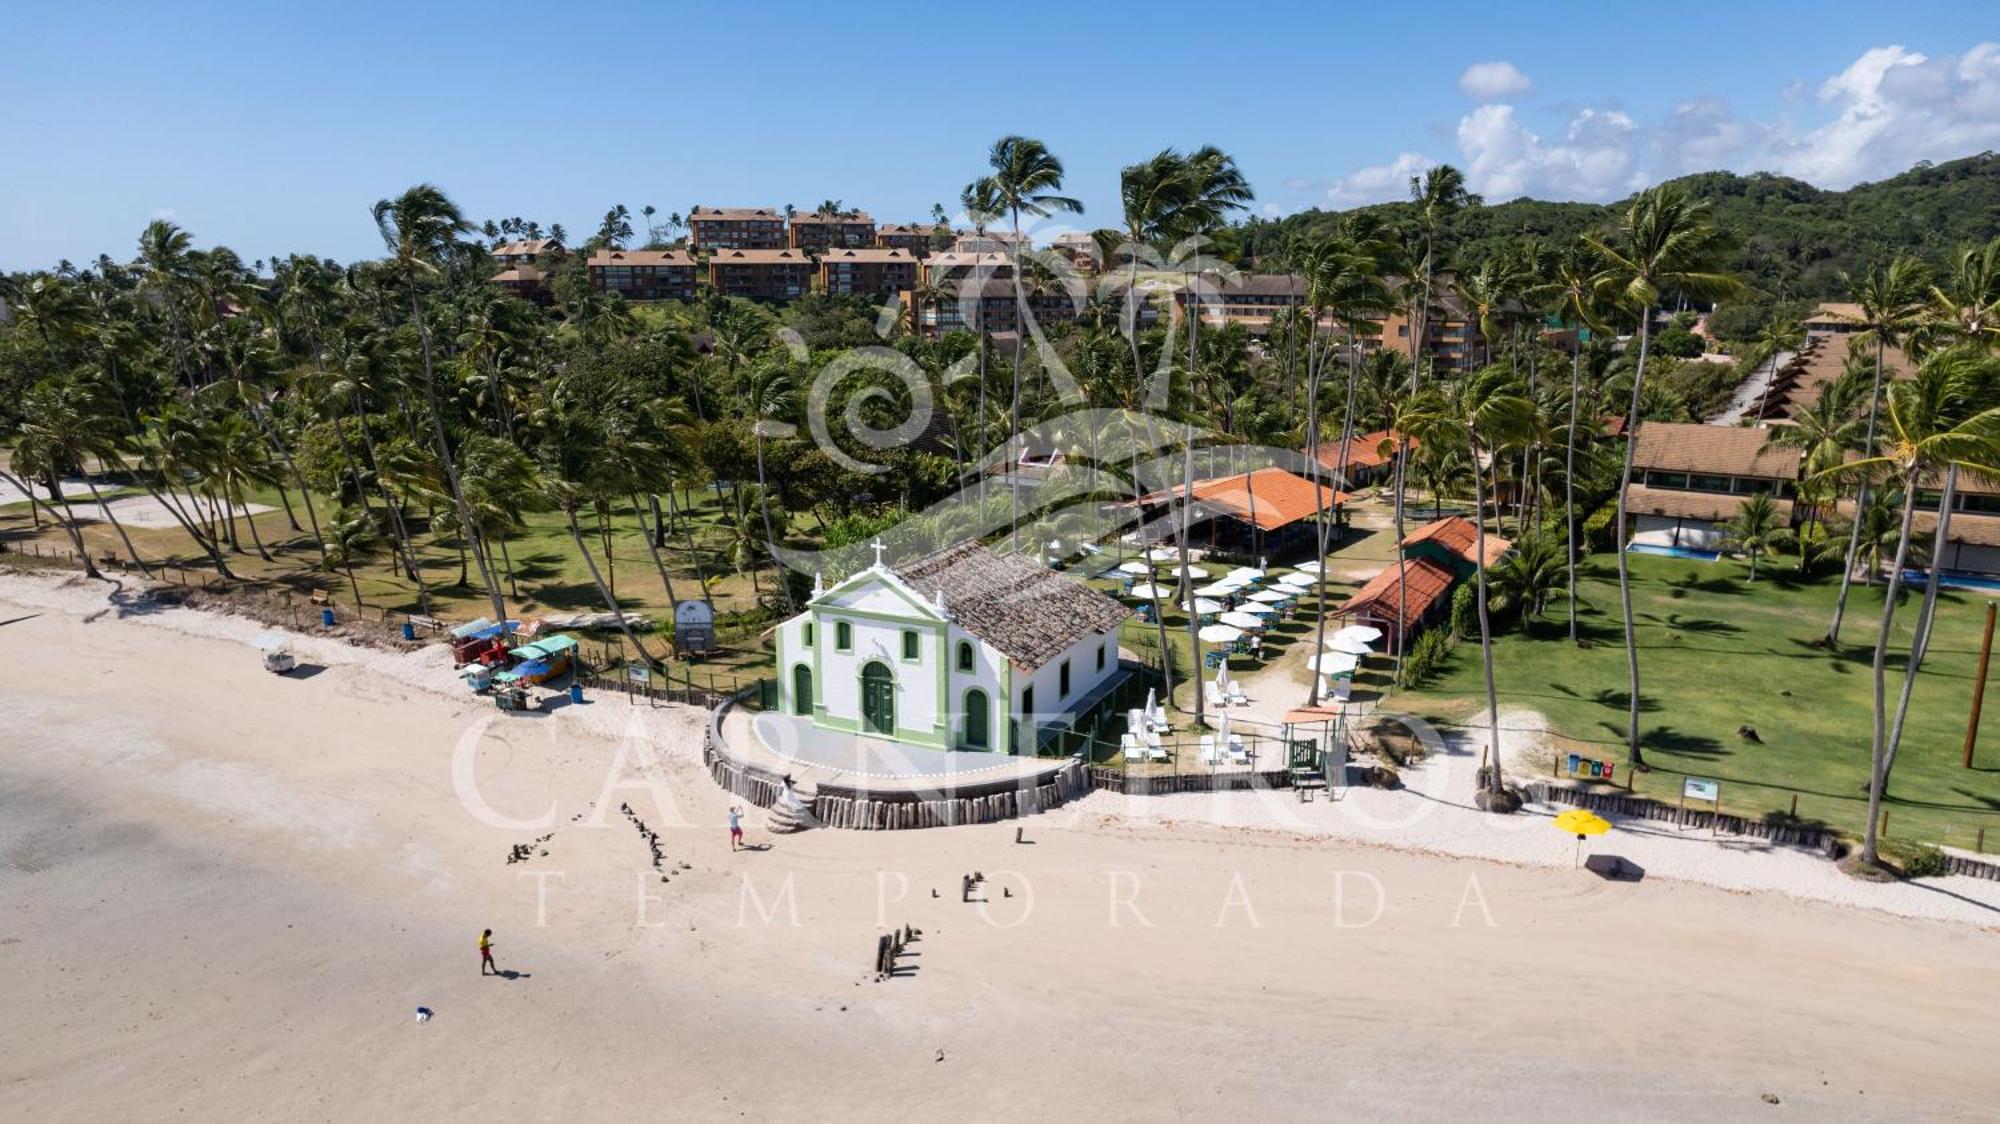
<point x="224" y="892"/>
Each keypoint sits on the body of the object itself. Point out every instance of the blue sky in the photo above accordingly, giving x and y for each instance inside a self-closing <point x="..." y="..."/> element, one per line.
<point x="272" y="127"/>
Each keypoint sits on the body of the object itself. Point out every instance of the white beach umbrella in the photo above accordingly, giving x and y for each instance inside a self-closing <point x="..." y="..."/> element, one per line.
<point x="1220" y="634"/>
<point x="1271" y="596"/>
<point x="1352" y="645"/>
<point x="1146" y="591"/>
<point x="1134" y="567"/>
<point x="1246" y="573"/>
<point x="1363" y="632"/>
<point x="1193" y="571"/>
<point x="1259" y="608"/>
<point x="1241" y="620"/>
<point x="1163" y="554"/>
<point x="1202" y="606"/>
<point x="1311" y="567"/>
<point x="1334" y="663"/>
<point x="1218" y="589"/>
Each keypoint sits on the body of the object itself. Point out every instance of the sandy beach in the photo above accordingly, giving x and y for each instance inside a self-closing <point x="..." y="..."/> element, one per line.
<point x="226" y="893"/>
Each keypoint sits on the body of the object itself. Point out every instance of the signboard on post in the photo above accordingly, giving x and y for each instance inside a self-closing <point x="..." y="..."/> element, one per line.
<point x="639" y="673"/>
<point x="694" y="627"/>
<point x="1694" y="788"/>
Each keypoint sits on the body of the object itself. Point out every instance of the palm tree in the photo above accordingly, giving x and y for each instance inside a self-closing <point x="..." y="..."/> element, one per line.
<point x="1438" y="194"/>
<point x="1483" y="412"/>
<point x="1026" y="177"/>
<point x="421" y="228"/>
<point x="981" y="201"/>
<point x="1940" y="421"/>
<point x="771" y="403"/>
<point x="350" y="538"/>
<point x="1965" y="305"/>
<point x="1665" y="242"/>
<point x="1890" y="300"/>
<point x="1575" y="284"/>
<point x="1754" y="530"/>
<point x="1527" y="577"/>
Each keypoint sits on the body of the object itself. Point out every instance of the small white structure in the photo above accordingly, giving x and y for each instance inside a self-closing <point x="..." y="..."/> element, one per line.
<point x="962" y="649"/>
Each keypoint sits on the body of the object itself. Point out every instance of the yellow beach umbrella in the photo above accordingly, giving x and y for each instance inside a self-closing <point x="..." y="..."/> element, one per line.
<point x="1581" y="822"/>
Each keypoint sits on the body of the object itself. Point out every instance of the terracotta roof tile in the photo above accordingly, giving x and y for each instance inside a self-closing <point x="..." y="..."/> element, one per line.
<point x="1427" y="581"/>
<point x="1031" y="613"/>
<point x="1457" y="534"/>
<point x="1715" y="449"/>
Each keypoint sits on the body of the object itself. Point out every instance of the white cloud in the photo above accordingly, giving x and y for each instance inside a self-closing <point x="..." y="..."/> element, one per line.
<point x="1378" y="183"/>
<point x="1492" y="81"/>
<point x="1504" y="160"/>
<point x="1887" y="110"/>
<point x="1897" y="107"/>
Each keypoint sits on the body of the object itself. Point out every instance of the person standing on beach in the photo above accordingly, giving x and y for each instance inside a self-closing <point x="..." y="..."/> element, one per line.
<point x="735" y="828"/>
<point x="486" y="953"/>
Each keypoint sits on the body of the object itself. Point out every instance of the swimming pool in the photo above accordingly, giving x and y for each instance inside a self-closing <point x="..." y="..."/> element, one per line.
<point x="1672" y="551"/>
<point x="1953" y="580"/>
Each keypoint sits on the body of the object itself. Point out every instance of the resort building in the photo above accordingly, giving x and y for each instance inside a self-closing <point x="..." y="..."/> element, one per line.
<point x="1835" y="318"/>
<point x="867" y="272"/>
<point x="761" y="275"/>
<point x="1689" y="480"/>
<point x="1253" y="300"/>
<point x="1451" y="338"/>
<point x="643" y="275"/>
<point x="987" y="242"/>
<point x="1436" y="557"/>
<point x="736" y="228"/>
<point x="990" y="306"/>
<point x="526" y="282"/>
<point x="953" y="266"/>
<point x="1246" y="514"/>
<point x="963" y="649"/>
<point x="521" y="252"/>
<point x="818" y="231"/>
<point x="915" y="239"/>
<point x="1370" y="457"/>
<point x="1081" y="250"/>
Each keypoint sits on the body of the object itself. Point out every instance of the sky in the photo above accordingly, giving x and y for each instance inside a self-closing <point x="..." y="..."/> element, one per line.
<point x="272" y="127"/>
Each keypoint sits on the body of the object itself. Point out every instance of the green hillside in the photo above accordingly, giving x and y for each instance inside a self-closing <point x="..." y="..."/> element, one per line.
<point x="1793" y="239"/>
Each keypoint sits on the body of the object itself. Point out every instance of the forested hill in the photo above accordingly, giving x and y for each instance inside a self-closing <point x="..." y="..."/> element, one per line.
<point x="1793" y="239"/>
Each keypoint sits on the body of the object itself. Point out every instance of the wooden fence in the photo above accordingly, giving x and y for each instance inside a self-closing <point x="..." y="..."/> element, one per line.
<point x="1138" y="783"/>
<point x="1778" y="831"/>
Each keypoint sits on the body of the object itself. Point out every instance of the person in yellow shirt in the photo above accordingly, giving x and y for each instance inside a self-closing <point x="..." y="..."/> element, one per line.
<point x="486" y="953"/>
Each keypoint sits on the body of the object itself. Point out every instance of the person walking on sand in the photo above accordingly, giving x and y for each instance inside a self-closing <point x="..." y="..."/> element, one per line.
<point x="735" y="828"/>
<point x="486" y="953"/>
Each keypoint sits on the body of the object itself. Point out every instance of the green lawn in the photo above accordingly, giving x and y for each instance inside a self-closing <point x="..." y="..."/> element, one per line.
<point x="1717" y="652"/>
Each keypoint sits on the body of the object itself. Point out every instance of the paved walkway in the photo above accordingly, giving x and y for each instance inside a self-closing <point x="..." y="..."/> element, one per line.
<point x="1744" y="402"/>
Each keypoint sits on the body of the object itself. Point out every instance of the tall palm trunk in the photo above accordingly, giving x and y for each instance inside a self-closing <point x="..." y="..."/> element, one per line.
<point x="1340" y="481"/>
<point x="1485" y="626"/>
<point x="770" y="536"/>
<point x="1569" y="483"/>
<point x="1187" y="509"/>
<point x="1402" y="555"/>
<point x="98" y="499"/>
<point x="65" y="518"/>
<point x="1152" y="580"/>
<point x="251" y="520"/>
<point x="465" y="520"/>
<point x="604" y="591"/>
<point x="1634" y="756"/>
<point x="1920" y="640"/>
<point x="191" y="522"/>
<point x="1878" y="772"/>
<point x="1860" y="501"/>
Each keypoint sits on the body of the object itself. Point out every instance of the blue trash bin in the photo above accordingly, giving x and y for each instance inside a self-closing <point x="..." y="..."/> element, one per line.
<point x="326" y="618"/>
<point x="576" y="692"/>
<point x="409" y="631"/>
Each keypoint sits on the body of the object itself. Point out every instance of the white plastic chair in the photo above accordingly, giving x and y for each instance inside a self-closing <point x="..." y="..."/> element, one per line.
<point x="1236" y="695"/>
<point x="1157" y="752"/>
<point x="1209" y="756"/>
<point x="1214" y="693"/>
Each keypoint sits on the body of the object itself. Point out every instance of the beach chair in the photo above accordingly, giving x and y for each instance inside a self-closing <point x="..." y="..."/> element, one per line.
<point x="1343" y="690"/>
<point x="1160" y="723"/>
<point x="1236" y="695"/>
<point x="1157" y="752"/>
<point x="1214" y="693"/>
<point x="1129" y="748"/>
<point x="1237" y="754"/>
<point x="1209" y="755"/>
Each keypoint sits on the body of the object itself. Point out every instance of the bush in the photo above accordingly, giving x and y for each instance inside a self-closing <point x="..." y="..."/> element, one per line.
<point x="1426" y="658"/>
<point x="1599" y="530"/>
<point x="1915" y="860"/>
<point x="1465" y="609"/>
<point x="1679" y="343"/>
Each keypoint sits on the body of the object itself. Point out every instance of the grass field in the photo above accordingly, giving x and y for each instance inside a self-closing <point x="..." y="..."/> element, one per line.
<point x="1717" y="652"/>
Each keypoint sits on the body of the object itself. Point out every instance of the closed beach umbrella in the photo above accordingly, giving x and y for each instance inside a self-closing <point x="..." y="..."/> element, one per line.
<point x="1241" y="620"/>
<point x="1203" y="606"/>
<point x="1220" y="634"/>
<point x="1134" y="567"/>
<point x="1147" y="591"/>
